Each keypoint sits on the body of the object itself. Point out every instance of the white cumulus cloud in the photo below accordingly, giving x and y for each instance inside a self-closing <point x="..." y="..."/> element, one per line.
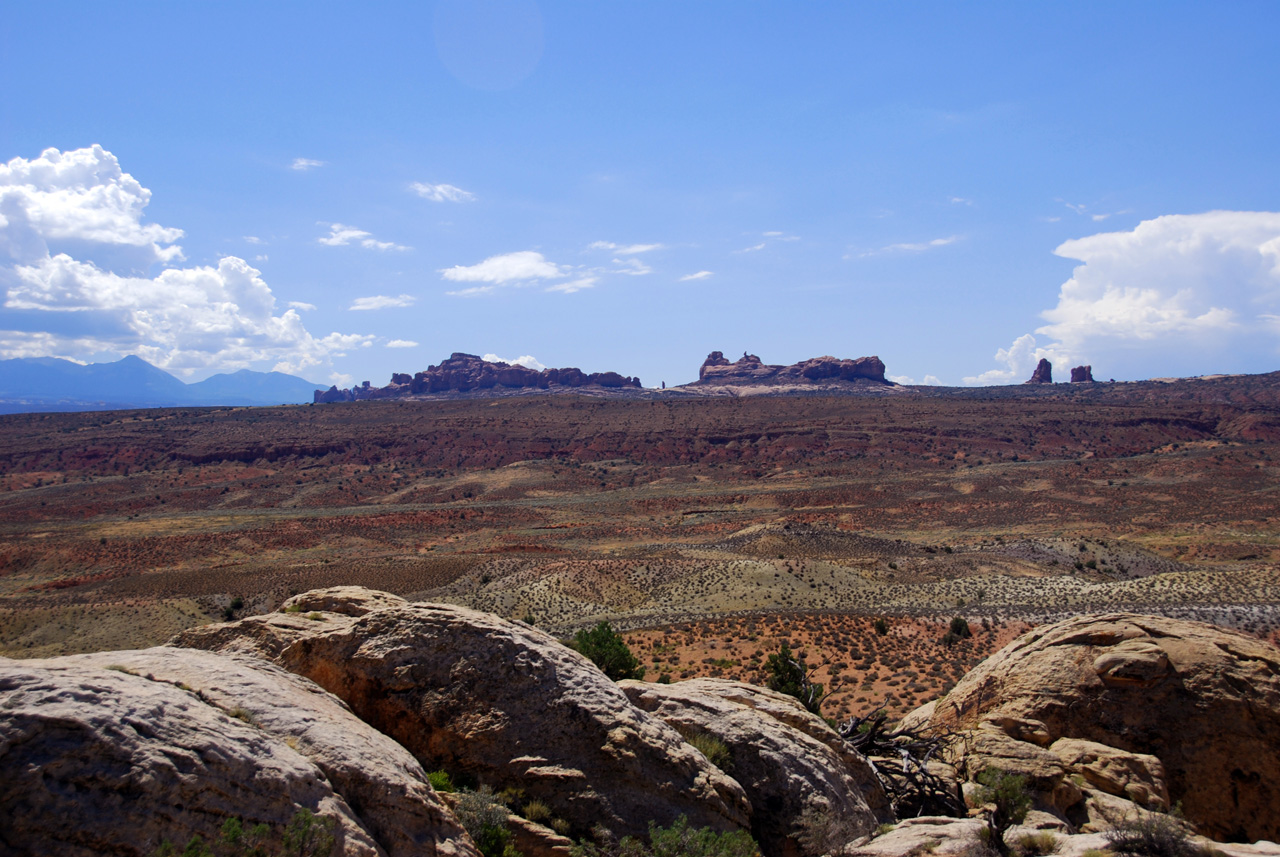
<point x="342" y="236"/>
<point x="75" y="256"/>
<point x="1183" y="294"/>
<point x="402" y="343"/>
<point x="381" y="302"/>
<point x="441" y="192"/>
<point x="505" y="268"/>
<point x="528" y="361"/>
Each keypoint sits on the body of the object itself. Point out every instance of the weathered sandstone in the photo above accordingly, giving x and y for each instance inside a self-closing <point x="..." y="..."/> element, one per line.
<point x="1202" y="700"/>
<point x="788" y="760"/>
<point x="716" y="370"/>
<point x="1043" y="373"/>
<point x="378" y="778"/>
<point x="472" y="693"/>
<point x="96" y="761"/>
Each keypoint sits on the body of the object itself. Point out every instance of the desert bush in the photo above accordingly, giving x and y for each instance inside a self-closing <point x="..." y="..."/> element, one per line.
<point x="306" y="835"/>
<point x="1036" y="844"/>
<point x="1153" y="835"/>
<point x="536" y="811"/>
<point x="960" y="627"/>
<point x="823" y="831"/>
<point x="607" y="650"/>
<point x="485" y="819"/>
<point x="881" y="627"/>
<point x="678" y="840"/>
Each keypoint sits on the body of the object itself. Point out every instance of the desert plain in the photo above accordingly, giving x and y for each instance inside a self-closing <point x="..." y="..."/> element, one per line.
<point x="709" y="529"/>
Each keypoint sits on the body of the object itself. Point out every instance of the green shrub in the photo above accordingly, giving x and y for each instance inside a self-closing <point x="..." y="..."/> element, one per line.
<point x="306" y="835"/>
<point x="1009" y="799"/>
<point x="536" y="811"/>
<point x="960" y="627"/>
<point x="881" y="627"/>
<point x="607" y="650"/>
<point x="716" y="751"/>
<point x="790" y="675"/>
<point x="441" y="781"/>
<point x="678" y="840"/>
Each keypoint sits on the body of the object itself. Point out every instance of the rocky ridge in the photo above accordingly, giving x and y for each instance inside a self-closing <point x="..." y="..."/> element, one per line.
<point x="467" y="373"/>
<point x="749" y="370"/>
<point x="340" y="701"/>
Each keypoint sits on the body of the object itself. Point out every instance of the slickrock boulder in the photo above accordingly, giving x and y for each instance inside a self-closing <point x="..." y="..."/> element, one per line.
<point x="1043" y="373"/>
<point x="347" y="600"/>
<point x="96" y="761"/>
<point x="377" y="777"/>
<point x="1203" y="700"/>
<point x="931" y="834"/>
<point x="788" y="760"/>
<point x="473" y="693"/>
<point x="1082" y="374"/>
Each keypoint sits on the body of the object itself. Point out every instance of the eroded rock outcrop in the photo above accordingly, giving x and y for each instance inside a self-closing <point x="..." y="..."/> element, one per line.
<point x="99" y="761"/>
<point x="1082" y="374"/>
<point x="1202" y="700"/>
<point x="716" y="370"/>
<point x="468" y="373"/>
<point x="473" y="693"/>
<point x="1043" y="373"/>
<point x="788" y="760"/>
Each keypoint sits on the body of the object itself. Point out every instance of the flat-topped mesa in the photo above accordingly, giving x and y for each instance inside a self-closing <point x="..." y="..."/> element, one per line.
<point x="718" y="371"/>
<point x="465" y="373"/>
<point x="1043" y="373"/>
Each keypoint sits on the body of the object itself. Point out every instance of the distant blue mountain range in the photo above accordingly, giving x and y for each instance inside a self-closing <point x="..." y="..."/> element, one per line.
<point x="52" y="384"/>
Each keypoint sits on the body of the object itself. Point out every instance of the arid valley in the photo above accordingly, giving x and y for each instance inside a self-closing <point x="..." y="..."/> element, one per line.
<point x="709" y="529"/>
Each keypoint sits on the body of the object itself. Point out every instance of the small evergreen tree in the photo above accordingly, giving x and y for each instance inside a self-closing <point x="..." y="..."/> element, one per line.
<point x="607" y="650"/>
<point x="1007" y="794"/>
<point x="790" y="675"/>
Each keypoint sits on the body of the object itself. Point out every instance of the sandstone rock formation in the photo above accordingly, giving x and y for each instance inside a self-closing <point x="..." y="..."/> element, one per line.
<point x="1043" y="373"/>
<point x="377" y="777"/>
<point x="1082" y="374"/>
<point x="98" y="761"/>
<point x="1202" y="700"/>
<point x="716" y="370"/>
<point x="788" y="760"/>
<point x="465" y="373"/>
<point x="471" y="693"/>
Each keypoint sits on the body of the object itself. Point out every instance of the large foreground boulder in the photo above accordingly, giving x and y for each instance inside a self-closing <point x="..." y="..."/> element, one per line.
<point x="380" y="780"/>
<point x="800" y="775"/>
<point x="1202" y="700"/>
<point x="97" y="761"/>
<point x="503" y="702"/>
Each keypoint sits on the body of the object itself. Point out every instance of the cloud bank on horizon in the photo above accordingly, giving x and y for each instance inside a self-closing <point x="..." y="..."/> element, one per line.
<point x="85" y="277"/>
<point x="76" y="263"/>
<point x="1203" y="284"/>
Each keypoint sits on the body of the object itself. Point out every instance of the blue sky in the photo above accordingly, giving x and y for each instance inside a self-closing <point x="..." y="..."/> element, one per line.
<point x="347" y="190"/>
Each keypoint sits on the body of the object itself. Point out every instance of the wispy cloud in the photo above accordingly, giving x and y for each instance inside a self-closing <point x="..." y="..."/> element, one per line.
<point x="442" y="192"/>
<point x="302" y="305"/>
<point x="253" y="239"/>
<point x="913" y="247"/>
<point x="304" y="164"/>
<point x="402" y="343"/>
<point x="624" y="249"/>
<point x="343" y="236"/>
<point x="634" y="267"/>
<point x="753" y="248"/>
<point x="960" y="200"/>
<point x="700" y="275"/>
<point x="381" y="302"/>
<point x="574" y="285"/>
